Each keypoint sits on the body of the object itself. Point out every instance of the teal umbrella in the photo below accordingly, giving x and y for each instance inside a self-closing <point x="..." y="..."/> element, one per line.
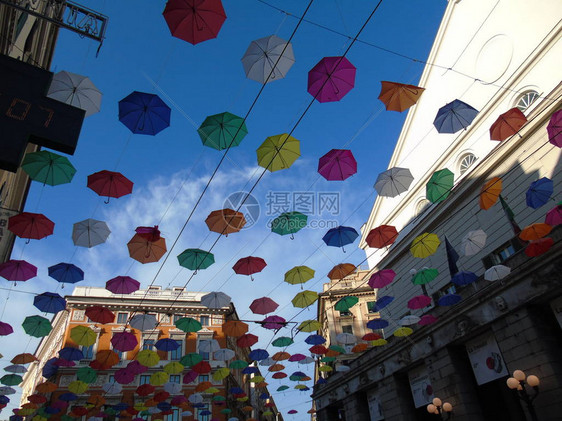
<point x="188" y="324"/>
<point x="282" y="388"/>
<point x="346" y="303"/>
<point x="289" y="223"/>
<point x="282" y="341"/>
<point x="11" y="379"/>
<point x="48" y="168"/>
<point x="221" y="131"/>
<point x="37" y="326"/>
<point x="195" y="259"/>
<point x="439" y="185"/>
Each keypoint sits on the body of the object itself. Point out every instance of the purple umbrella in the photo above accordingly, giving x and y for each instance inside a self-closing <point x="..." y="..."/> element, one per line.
<point x="190" y="376"/>
<point x="17" y="270"/>
<point x="554" y="129"/>
<point x="5" y="329"/>
<point x="331" y="79"/>
<point x="338" y="164"/>
<point x="122" y="285"/>
<point x="124" y="341"/>
<point x="124" y="376"/>
<point x="554" y="216"/>
<point x="274" y="322"/>
<point x="297" y="357"/>
<point x="136" y="368"/>
<point x="381" y="278"/>
<point x="419" y="301"/>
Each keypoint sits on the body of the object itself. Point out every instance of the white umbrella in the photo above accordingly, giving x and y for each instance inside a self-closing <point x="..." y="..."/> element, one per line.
<point x="307" y="360"/>
<point x="263" y="54"/>
<point x="473" y="242"/>
<point x="394" y="181"/>
<point x="215" y="300"/>
<point x="346" y="338"/>
<point x="266" y="362"/>
<point x="497" y="272"/>
<point x="112" y="388"/>
<point x="75" y="90"/>
<point x="233" y="419"/>
<point x="224" y="354"/>
<point x="143" y="322"/>
<point x="409" y="320"/>
<point x="209" y="345"/>
<point x="90" y="233"/>
<point x="172" y="388"/>
<point x="195" y="398"/>
<point x="186" y="414"/>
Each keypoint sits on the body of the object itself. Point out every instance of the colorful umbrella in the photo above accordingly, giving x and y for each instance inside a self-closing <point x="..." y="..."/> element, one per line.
<point x="273" y="322"/>
<point x="299" y="275"/>
<point x="507" y="124"/>
<point x="258" y="354"/>
<point x="345" y="303"/>
<point x="278" y="152"/>
<point x="124" y="341"/>
<point x="31" y="225"/>
<point x="122" y="285"/>
<point x="148" y="358"/>
<point x="289" y="223"/>
<point x="399" y="96"/>
<point x="238" y="365"/>
<point x="340" y="236"/>
<point x="403" y="331"/>
<point x="221" y="131"/>
<point x="249" y="265"/>
<point x="17" y="270"/>
<point x="75" y="90"/>
<point x="268" y="59"/>
<point x="538" y="247"/>
<point x="427" y="319"/>
<point x="382" y="302"/>
<point x="143" y="322"/>
<point x="304" y="299"/>
<point x="166" y="345"/>
<point x="553" y="217"/>
<point x="66" y="273"/>
<point x="144" y="113"/>
<point x="90" y="233"/>
<point x="439" y="185"/>
<point x="191" y="359"/>
<point x="11" y="379"/>
<point x="381" y="278"/>
<point x="234" y="328"/>
<point x="247" y="340"/>
<point x="381" y="236"/>
<point x="225" y="221"/>
<point x="338" y="164"/>
<point x="196" y="259"/>
<point x="70" y="353"/>
<point x="454" y="116"/>
<point x="393" y="182"/>
<point x="539" y="192"/>
<point x="497" y="272"/>
<point x="331" y="79"/>
<point x="263" y="305"/>
<point x="49" y="302"/>
<point x="424" y="276"/>
<point x="535" y="231"/>
<point x="36" y="326"/>
<point x="24" y="358"/>
<point x="282" y="342"/>
<point x="419" y="301"/>
<point x="48" y="168"/>
<point x="341" y="271"/>
<point x="464" y="278"/>
<point x="100" y="314"/>
<point x="194" y="21"/>
<point x="110" y="184"/>
<point x="86" y="374"/>
<point x="315" y="340"/>
<point x="309" y="326"/>
<point x="224" y="354"/>
<point x="449" y="300"/>
<point x="424" y="245"/>
<point x="150" y="233"/>
<point x="280" y="356"/>
<point x="146" y="251"/>
<point x="215" y="299"/>
<point x="83" y="335"/>
<point x="188" y="324"/>
<point x="473" y="242"/>
<point x="490" y="192"/>
<point x="554" y="129"/>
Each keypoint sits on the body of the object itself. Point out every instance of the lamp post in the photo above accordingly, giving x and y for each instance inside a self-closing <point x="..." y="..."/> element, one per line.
<point x="438" y="407"/>
<point x="517" y="384"/>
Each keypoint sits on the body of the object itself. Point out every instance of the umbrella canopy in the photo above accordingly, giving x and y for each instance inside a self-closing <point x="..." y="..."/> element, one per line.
<point x="249" y="265"/>
<point x="424" y="276"/>
<point x="268" y="59"/>
<point x="273" y="322"/>
<point x="338" y="164"/>
<point x="289" y="223"/>
<point x="124" y="341"/>
<point x="340" y="236"/>
<point x="554" y="129"/>
<point x="122" y="285"/>
<point x="5" y="329"/>
<point x="304" y="299"/>
<point x="49" y="302"/>
<point x="331" y="79"/>
<point x="110" y="184"/>
<point x="473" y="242"/>
<point x="24" y="358"/>
<point x="100" y="314"/>
<point x="439" y="185"/>
<point x="403" y="331"/>
<point x="281" y="342"/>
<point x="234" y="328"/>
<point x="83" y="335"/>
<point x="464" y="278"/>
<point x="145" y="251"/>
<point x="490" y="192"/>
<point x="399" y="96"/>
<point x="381" y="236"/>
<point x="315" y="340"/>
<point x="166" y="345"/>
<point x="148" y="358"/>
<point x="238" y="365"/>
<point x="381" y="278"/>
<point x="30" y="225"/>
<point x="222" y="131"/>
<point x="150" y="233"/>
<point x="309" y="326"/>
<point x="535" y="231"/>
<point x="90" y="233"/>
<point x="341" y="271"/>
<point x="449" y="300"/>
<point x="48" y="168"/>
<point x="409" y="319"/>
<point x="258" y="354"/>
<point x="553" y="218"/>
<point x="496" y="273"/>
<point x="75" y="90"/>
<point x="345" y="303"/>
<point x="507" y="124"/>
<point x="143" y="322"/>
<point x="393" y="182"/>
<point x="225" y="221"/>
<point x="144" y="113"/>
<point x="196" y="259"/>
<point x="215" y="299"/>
<point x="223" y="354"/>
<point x="382" y="302"/>
<point x="427" y="319"/>
<point x="15" y="368"/>
<point x="36" y="326"/>
<point x="454" y="116"/>
<point x="278" y="152"/>
<point x="194" y="21"/>
<point x="419" y="301"/>
<point x="424" y="245"/>
<point x="247" y="340"/>
<point x="11" y="379"/>
<point x="71" y="354"/>
<point x="17" y="270"/>
<point x="191" y="359"/>
<point x="539" y="192"/>
<point x="299" y="275"/>
<point x="263" y="305"/>
<point x="188" y="324"/>
<point x="66" y="273"/>
<point x="538" y="247"/>
<point x="174" y="388"/>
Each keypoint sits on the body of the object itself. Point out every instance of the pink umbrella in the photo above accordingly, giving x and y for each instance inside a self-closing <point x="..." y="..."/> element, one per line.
<point x="177" y="400"/>
<point x="419" y="301"/>
<point x="60" y="362"/>
<point x="381" y="278"/>
<point x="17" y="270"/>
<point x="554" y="216"/>
<point x="136" y="368"/>
<point x="5" y="329"/>
<point x="124" y="376"/>
<point x="427" y="319"/>
<point x="338" y="164"/>
<point x="190" y="376"/>
<point x="554" y="129"/>
<point x="124" y="341"/>
<point x="297" y="357"/>
<point x="273" y="322"/>
<point x="331" y="79"/>
<point x="122" y="285"/>
<point x="149" y="233"/>
<point x="263" y="305"/>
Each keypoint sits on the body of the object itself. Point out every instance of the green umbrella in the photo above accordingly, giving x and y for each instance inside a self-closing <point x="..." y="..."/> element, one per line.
<point x="191" y="359"/>
<point x="327" y="359"/>
<point x="220" y="131"/>
<point x="289" y="223"/>
<point x="439" y="185"/>
<point x="304" y="299"/>
<point x="282" y="341"/>
<point x="87" y="374"/>
<point x="346" y="303"/>
<point x="282" y="388"/>
<point x="48" y="168"/>
<point x="219" y="398"/>
<point x="337" y="348"/>
<point x="299" y="275"/>
<point x="36" y="326"/>
<point x="238" y="364"/>
<point x="188" y="324"/>
<point x="226" y="411"/>
<point x="195" y="259"/>
<point x="424" y="276"/>
<point x="11" y="379"/>
<point x="278" y="152"/>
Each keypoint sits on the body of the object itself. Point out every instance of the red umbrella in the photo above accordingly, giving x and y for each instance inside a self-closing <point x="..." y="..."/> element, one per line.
<point x="538" y="247"/>
<point x="318" y="349"/>
<point x="331" y="79"/>
<point x="263" y="305"/>
<point x="279" y="375"/>
<point x="161" y="396"/>
<point x="145" y="389"/>
<point x="110" y="184"/>
<point x="381" y="236"/>
<point x="371" y="336"/>
<point x="100" y="314"/>
<point x="194" y="21"/>
<point x="124" y="341"/>
<point x="122" y="285"/>
<point x="247" y="340"/>
<point x="17" y="270"/>
<point x="507" y="124"/>
<point x="202" y="368"/>
<point x="249" y="265"/>
<point x="419" y="301"/>
<point x="338" y="164"/>
<point x="31" y="225"/>
<point x="381" y="278"/>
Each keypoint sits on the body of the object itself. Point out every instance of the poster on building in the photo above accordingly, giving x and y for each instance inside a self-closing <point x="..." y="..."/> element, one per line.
<point x="375" y="408"/>
<point x="5" y="235"/>
<point x="556" y="306"/>
<point x="422" y="391"/>
<point x="486" y="359"/>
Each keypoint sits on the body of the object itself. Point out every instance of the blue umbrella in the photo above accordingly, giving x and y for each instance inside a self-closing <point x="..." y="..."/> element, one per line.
<point x="121" y="406"/>
<point x="166" y="344"/>
<point x="68" y="396"/>
<point x="49" y="302"/>
<point x="250" y="370"/>
<point x="340" y="236"/>
<point x="50" y="368"/>
<point x="164" y="406"/>
<point x="315" y="340"/>
<point x="236" y="390"/>
<point x="264" y="395"/>
<point x="205" y="412"/>
<point x="321" y="381"/>
<point x="454" y="116"/>
<point x="4" y="400"/>
<point x="71" y="354"/>
<point x="382" y="302"/>
<point x="259" y="354"/>
<point x="377" y="324"/>
<point x="198" y="405"/>
<point x="51" y="410"/>
<point x="539" y="192"/>
<point x="464" y="278"/>
<point x="66" y="273"/>
<point x="449" y="300"/>
<point x="144" y="113"/>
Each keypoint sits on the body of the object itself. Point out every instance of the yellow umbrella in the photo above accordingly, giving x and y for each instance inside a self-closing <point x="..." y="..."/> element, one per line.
<point x="39" y="418"/>
<point x="310" y="326"/>
<point x="83" y="335"/>
<point x="78" y="387"/>
<point x="221" y="373"/>
<point x="325" y="368"/>
<point x="304" y="299"/>
<point x="159" y="378"/>
<point x="278" y="152"/>
<point x="26" y="411"/>
<point x="424" y="245"/>
<point x="257" y="379"/>
<point x="173" y="368"/>
<point x="211" y="390"/>
<point x="148" y="358"/>
<point x="300" y="386"/>
<point x="379" y="342"/>
<point x="243" y="399"/>
<point x="140" y="406"/>
<point x="403" y="331"/>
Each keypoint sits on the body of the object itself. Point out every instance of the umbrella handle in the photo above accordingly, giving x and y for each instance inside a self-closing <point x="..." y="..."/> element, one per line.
<point x="106" y="201"/>
<point x="28" y="240"/>
<point x="292" y="237"/>
<point x="343" y="249"/>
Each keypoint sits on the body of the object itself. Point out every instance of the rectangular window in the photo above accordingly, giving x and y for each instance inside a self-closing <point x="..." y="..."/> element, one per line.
<point x="88" y="352"/>
<point x="148" y="344"/>
<point x="176" y="354"/>
<point x="203" y="378"/>
<point x="204" y="320"/>
<point x="347" y="329"/>
<point x="502" y="253"/>
<point x="175" y="378"/>
<point x="177" y="317"/>
<point x="174" y="416"/>
<point x="122" y="318"/>
<point x="203" y="417"/>
<point x="345" y="313"/>
<point x="144" y="379"/>
<point x="371" y="306"/>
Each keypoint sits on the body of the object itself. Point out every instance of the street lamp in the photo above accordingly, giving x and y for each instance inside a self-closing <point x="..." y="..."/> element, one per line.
<point x="438" y="407"/>
<point x="517" y="384"/>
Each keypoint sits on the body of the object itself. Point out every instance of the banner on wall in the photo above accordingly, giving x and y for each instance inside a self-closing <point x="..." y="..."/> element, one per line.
<point x="422" y="391"/>
<point x="486" y="359"/>
<point x="375" y="408"/>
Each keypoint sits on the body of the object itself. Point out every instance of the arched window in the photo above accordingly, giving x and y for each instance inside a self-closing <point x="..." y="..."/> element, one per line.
<point x="466" y="162"/>
<point x="526" y="99"/>
<point x="421" y="206"/>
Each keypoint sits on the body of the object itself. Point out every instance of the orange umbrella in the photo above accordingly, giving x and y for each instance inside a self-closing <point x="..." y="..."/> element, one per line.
<point x="248" y="408"/>
<point x="46" y="387"/>
<point x="507" y="124"/>
<point x="201" y="387"/>
<point x="107" y="358"/>
<point x="281" y="356"/>
<point x="399" y="96"/>
<point x="332" y="353"/>
<point x="225" y="221"/>
<point x="24" y="358"/>
<point x="261" y="385"/>
<point x="145" y="251"/>
<point x="535" y="231"/>
<point x="276" y="367"/>
<point x="341" y="271"/>
<point x="359" y="348"/>
<point x="381" y="236"/>
<point x="96" y="400"/>
<point x="234" y="328"/>
<point x="490" y="192"/>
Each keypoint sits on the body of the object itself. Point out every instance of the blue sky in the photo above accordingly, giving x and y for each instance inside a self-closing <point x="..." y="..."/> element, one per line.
<point x="196" y="81"/>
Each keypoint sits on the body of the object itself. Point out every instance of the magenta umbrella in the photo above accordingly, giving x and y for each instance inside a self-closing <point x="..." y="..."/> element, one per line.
<point x="124" y="341"/>
<point x="554" y="216"/>
<point x="273" y="322"/>
<point x="190" y="376"/>
<point x="5" y="329"/>
<point x="381" y="278"/>
<point x="263" y="305"/>
<point x="297" y="357"/>
<point x="427" y="319"/>
<point x="249" y="265"/>
<point x="122" y="285"/>
<point x="124" y="376"/>
<point x="331" y="79"/>
<point x="419" y="301"/>
<point x="554" y="129"/>
<point x="338" y="164"/>
<point x="136" y="368"/>
<point x="17" y="270"/>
